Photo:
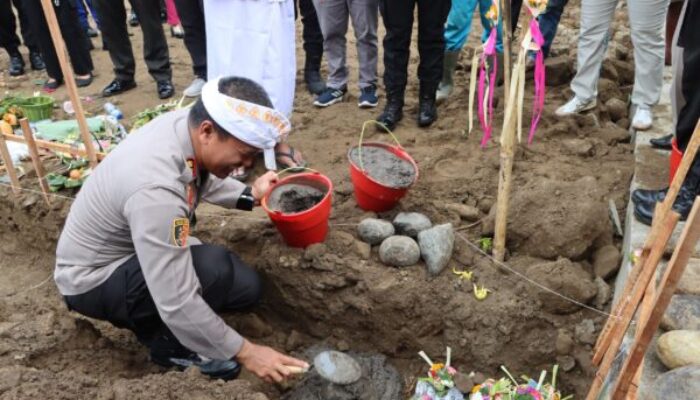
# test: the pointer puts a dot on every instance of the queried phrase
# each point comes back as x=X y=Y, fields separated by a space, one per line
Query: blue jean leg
x=549 y=21
x=459 y=23
x=93 y=12
x=484 y=6
x=82 y=14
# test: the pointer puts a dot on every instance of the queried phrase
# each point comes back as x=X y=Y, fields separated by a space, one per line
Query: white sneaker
x=195 y=88
x=643 y=118
x=575 y=106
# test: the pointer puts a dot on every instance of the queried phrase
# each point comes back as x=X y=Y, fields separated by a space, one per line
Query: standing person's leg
x=95 y=16
x=37 y=22
x=677 y=99
x=174 y=20
x=74 y=38
x=398 y=21
x=484 y=6
x=82 y=14
x=431 y=47
x=192 y=18
x=116 y=37
x=596 y=16
x=313 y=46
x=9 y=40
x=30 y=39
x=549 y=22
x=459 y=23
x=155 y=46
x=333 y=18
x=365 y=16
x=515 y=6
x=647 y=18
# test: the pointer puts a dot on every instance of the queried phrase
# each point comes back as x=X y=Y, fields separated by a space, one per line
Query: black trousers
x=689 y=39
x=114 y=32
x=313 y=38
x=8 y=27
x=74 y=37
x=191 y=14
x=125 y=301
x=398 y=20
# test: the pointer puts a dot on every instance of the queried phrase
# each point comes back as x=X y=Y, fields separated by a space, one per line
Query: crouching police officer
x=125 y=254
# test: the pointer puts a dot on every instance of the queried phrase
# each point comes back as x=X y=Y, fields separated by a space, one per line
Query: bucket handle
x=292 y=170
x=362 y=136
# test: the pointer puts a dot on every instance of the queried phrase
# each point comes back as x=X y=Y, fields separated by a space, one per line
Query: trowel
x=333 y=366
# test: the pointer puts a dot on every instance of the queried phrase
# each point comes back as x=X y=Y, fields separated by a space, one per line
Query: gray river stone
x=682 y=313
x=374 y=231
x=679 y=348
x=410 y=224
x=679 y=384
x=436 y=246
x=399 y=251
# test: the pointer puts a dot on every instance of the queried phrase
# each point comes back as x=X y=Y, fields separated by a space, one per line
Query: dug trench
x=338 y=294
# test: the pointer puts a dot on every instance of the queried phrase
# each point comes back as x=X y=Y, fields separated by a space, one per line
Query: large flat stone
x=682 y=313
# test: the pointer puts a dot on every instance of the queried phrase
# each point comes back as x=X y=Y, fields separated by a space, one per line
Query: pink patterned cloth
x=173 y=18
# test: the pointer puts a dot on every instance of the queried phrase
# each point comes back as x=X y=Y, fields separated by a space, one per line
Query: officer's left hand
x=262 y=185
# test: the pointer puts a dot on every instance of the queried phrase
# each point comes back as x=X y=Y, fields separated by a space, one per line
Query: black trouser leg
x=73 y=36
x=8 y=28
x=28 y=35
x=313 y=38
x=114 y=34
x=432 y=15
x=690 y=113
x=515 y=6
x=125 y=301
x=191 y=14
x=155 y=46
x=398 y=21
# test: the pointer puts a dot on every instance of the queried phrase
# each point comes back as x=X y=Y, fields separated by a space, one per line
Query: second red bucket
x=299 y=206
x=381 y=174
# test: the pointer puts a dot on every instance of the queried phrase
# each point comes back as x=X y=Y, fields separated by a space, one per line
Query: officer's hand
x=262 y=184
x=266 y=363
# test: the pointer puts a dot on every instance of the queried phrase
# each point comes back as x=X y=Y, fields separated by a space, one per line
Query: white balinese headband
x=256 y=125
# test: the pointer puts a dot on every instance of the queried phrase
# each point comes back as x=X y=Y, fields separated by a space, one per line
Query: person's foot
x=52 y=84
x=167 y=352
x=314 y=82
x=368 y=97
x=330 y=96
x=83 y=80
x=104 y=44
x=91 y=32
x=195 y=88
x=289 y=158
x=648 y=195
x=16 y=64
x=133 y=18
x=644 y=211
x=393 y=112
x=165 y=89
x=177 y=31
x=448 y=69
x=662 y=143
x=643 y=118
x=576 y=106
x=36 y=61
x=427 y=110
x=118 y=86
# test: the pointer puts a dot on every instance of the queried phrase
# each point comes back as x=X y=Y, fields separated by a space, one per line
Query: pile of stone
x=408 y=238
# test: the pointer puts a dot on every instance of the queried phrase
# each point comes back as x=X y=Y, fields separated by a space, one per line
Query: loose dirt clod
x=294 y=198
x=385 y=166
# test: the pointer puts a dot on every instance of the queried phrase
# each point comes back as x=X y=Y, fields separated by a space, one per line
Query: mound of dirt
x=564 y=277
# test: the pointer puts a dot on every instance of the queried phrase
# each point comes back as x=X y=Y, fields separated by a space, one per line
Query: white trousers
x=647 y=21
x=254 y=39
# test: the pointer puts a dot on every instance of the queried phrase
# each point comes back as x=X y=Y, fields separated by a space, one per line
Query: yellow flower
x=437 y=367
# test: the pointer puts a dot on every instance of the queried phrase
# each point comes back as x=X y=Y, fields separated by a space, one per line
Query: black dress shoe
x=82 y=82
x=166 y=351
x=36 y=61
x=16 y=65
x=118 y=86
x=427 y=110
x=393 y=111
x=644 y=211
x=648 y=195
x=91 y=32
x=51 y=86
x=663 y=143
x=165 y=89
x=133 y=18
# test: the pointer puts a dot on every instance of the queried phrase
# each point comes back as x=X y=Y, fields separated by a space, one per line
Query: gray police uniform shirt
x=132 y=203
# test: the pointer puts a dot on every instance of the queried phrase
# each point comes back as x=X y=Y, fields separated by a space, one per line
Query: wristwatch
x=246 y=201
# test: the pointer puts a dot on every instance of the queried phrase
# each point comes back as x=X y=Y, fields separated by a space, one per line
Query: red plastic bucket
x=370 y=194
x=674 y=160
x=309 y=226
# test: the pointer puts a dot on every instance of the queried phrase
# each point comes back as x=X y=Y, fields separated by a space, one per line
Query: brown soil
x=294 y=198
x=334 y=294
x=384 y=166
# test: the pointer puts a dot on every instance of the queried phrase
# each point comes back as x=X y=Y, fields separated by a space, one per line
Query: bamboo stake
x=688 y=157
x=59 y=147
x=673 y=273
x=9 y=165
x=621 y=324
x=505 y=176
x=69 y=79
x=34 y=153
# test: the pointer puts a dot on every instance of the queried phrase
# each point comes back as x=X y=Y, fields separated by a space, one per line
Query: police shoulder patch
x=180 y=231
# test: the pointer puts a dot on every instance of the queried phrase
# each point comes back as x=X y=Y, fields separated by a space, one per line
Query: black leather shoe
x=167 y=352
x=648 y=195
x=133 y=19
x=117 y=86
x=663 y=143
x=36 y=61
x=393 y=111
x=165 y=89
x=16 y=65
x=644 y=211
x=427 y=110
x=84 y=81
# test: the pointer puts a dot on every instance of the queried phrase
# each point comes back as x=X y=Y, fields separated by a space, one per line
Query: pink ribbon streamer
x=538 y=101
x=489 y=51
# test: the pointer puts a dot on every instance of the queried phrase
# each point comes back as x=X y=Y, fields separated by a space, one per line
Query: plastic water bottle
x=113 y=111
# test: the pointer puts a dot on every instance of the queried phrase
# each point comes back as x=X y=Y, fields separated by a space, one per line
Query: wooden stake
x=34 y=153
x=644 y=313
x=59 y=147
x=9 y=165
x=673 y=273
x=661 y=210
x=69 y=79
x=621 y=323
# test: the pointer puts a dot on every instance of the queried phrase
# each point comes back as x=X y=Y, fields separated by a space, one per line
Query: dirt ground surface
x=338 y=294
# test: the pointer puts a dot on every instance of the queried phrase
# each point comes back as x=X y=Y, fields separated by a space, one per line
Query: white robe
x=254 y=39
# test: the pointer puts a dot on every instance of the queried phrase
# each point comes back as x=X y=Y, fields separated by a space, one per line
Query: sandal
x=300 y=165
x=82 y=82
x=51 y=86
x=240 y=174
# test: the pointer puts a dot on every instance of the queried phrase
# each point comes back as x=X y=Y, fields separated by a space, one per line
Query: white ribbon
x=253 y=124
